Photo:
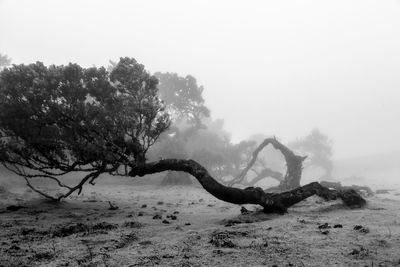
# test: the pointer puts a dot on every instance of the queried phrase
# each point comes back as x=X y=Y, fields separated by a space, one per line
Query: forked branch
x=293 y=162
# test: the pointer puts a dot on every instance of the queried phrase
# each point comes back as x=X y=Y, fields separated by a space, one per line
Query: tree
x=61 y=119
x=183 y=97
x=318 y=147
x=5 y=61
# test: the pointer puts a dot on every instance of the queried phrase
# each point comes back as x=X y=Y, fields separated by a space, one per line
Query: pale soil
x=38 y=235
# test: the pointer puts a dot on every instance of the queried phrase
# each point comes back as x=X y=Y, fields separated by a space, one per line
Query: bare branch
x=270 y=201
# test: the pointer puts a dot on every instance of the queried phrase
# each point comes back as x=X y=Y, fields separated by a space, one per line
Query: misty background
x=277 y=68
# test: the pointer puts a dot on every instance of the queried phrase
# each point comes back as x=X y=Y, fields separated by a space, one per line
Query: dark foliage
x=60 y=119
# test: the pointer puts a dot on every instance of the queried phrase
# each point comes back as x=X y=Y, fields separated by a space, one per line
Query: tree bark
x=358 y=188
x=271 y=202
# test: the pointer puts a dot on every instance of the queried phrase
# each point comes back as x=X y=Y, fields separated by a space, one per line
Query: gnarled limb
x=293 y=162
x=271 y=202
x=358 y=188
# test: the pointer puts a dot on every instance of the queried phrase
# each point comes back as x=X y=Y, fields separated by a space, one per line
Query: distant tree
x=183 y=97
x=318 y=147
x=61 y=119
x=5 y=61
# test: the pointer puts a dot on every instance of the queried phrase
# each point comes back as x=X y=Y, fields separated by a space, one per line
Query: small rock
x=160 y=203
x=361 y=229
x=165 y=222
x=176 y=212
x=157 y=217
x=145 y=243
x=338 y=226
x=324 y=226
x=354 y=252
x=173 y=217
x=112 y=207
x=243 y=210
x=144 y=206
x=188 y=223
x=140 y=213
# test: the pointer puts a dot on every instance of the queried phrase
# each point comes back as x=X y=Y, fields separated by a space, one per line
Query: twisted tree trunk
x=294 y=165
x=271 y=202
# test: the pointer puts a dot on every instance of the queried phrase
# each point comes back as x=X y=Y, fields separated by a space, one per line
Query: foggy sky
x=273 y=67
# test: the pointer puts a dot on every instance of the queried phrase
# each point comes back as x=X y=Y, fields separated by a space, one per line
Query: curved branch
x=38 y=191
x=89 y=177
x=270 y=201
x=293 y=161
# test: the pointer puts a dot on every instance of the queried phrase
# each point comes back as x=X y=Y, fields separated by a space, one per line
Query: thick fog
x=268 y=67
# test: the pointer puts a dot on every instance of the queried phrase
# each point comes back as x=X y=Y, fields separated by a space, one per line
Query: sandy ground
x=185 y=226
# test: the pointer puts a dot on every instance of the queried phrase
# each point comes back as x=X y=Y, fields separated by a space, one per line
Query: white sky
x=274 y=67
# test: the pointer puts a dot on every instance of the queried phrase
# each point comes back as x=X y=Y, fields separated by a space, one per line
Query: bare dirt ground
x=185 y=226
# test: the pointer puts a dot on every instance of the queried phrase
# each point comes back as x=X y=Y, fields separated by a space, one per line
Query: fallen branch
x=362 y=190
x=271 y=202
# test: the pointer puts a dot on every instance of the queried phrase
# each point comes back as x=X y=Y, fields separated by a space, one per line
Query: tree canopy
x=183 y=97
x=58 y=119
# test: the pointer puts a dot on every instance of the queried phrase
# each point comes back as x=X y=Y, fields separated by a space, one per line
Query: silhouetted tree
x=60 y=119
